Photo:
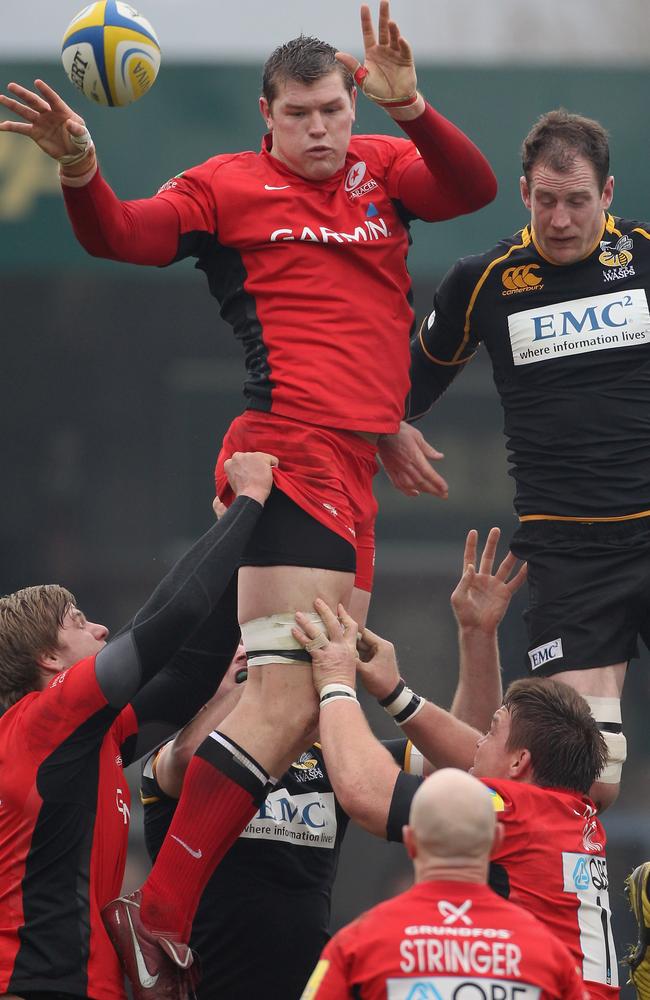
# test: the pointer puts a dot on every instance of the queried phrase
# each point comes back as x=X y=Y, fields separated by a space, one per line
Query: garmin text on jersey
x=370 y=229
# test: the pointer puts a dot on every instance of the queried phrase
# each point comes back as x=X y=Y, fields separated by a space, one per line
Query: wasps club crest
x=305 y=762
x=619 y=255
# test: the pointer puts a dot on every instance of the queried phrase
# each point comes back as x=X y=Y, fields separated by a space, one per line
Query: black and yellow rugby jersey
x=264 y=916
x=570 y=351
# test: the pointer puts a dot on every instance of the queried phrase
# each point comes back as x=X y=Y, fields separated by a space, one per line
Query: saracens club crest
x=356 y=181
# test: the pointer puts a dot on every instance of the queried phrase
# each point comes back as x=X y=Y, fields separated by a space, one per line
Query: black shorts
x=286 y=535
x=589 y=592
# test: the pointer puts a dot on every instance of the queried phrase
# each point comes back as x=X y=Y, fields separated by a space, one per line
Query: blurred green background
x=118 y=383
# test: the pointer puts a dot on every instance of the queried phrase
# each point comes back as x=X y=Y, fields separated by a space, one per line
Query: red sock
x=222 y=790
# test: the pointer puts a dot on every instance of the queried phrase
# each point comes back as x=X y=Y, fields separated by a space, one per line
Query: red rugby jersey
x=444 y=940
x=64 y=820
x=566 y=887
x=311 y=275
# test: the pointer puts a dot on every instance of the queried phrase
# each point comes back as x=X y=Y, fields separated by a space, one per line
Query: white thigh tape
x=616 y=757
x=607 y=712
x=604 y=709
x=269 y=640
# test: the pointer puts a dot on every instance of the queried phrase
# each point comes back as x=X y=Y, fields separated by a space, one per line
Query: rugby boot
x=158 y=967
x=638 y=959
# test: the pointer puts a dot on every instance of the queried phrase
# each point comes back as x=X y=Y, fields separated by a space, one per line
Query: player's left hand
x=406 y=457
x=388 y=71
x=334 y=660
x=481 y=597
x=377 y=664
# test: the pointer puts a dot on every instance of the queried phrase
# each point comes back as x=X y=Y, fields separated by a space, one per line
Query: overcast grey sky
x=484 y=31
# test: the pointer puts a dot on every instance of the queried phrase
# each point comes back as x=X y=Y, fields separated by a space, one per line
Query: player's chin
x=321 y=169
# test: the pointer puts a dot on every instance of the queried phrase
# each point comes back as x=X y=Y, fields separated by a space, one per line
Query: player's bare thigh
x=276 y=715
x=269 y=590
x=602 y=682
x=598 y=682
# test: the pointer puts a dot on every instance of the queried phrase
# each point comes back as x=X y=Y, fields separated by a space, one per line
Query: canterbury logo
x=520 y=279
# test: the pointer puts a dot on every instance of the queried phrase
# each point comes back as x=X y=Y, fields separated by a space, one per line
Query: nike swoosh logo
x=195 y=854
x=271 y=187
x=147 y=981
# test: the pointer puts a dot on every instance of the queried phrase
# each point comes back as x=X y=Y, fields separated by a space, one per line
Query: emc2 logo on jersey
x=580 y=326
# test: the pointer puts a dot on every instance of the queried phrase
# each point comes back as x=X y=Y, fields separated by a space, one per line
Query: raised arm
x=479 y=603
x=445 y=341
x=192 y=589
x=363 y=773
x=453 y=176
x=444 y=740
x=140 y=232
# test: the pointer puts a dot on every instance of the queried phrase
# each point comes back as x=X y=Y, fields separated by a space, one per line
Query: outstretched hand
x=388 y=71
x=481 y=597
x=48 y=120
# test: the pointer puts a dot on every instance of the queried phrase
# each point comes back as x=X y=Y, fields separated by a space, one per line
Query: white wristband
x=402 y=704
x=334 y=692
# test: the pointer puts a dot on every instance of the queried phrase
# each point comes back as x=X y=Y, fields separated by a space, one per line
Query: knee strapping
x=269 y=640
x=607 y=713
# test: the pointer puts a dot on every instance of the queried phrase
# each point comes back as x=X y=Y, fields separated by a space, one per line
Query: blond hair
x=29 y=624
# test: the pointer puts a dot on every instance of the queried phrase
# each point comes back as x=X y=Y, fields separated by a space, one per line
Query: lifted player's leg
x=602 y=688
x=232 y=771
x=316 y=547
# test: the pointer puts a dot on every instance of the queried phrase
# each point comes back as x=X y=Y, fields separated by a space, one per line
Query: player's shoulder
x=43 y=718
x=616 y=225
x=380 y=148
x=12 y=719
x=509 y=797
x=530 y=800
x=469 y=275
x=510 y=248
x=206 y=171
x=380 y=916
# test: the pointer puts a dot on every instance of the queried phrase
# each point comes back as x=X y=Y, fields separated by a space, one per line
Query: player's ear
x=409 y=842
x=49 y=664
x=608 y=193
x=521 y=766
x=265 y=112
x=524 y=191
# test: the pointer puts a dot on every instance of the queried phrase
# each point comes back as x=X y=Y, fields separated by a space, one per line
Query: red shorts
x=326 y=472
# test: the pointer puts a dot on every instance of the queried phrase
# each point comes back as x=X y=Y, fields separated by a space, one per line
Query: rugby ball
x=111 y=53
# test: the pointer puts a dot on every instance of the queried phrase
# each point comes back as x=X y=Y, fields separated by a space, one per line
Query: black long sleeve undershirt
x=188 y=595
